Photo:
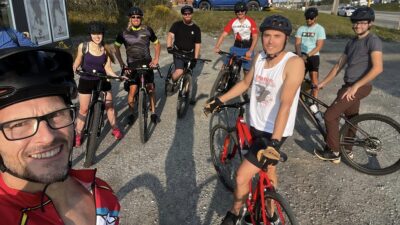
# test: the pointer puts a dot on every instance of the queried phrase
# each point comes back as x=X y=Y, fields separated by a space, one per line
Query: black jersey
x=186 y=36
x=137 y=43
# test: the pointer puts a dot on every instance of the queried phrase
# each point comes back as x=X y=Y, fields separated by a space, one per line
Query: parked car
x=229 y=4
x=346 y=10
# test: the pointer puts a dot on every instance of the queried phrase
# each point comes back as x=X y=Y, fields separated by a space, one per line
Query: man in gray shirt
x=363 y=56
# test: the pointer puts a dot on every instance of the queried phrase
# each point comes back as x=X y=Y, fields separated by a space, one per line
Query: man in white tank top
x=275 y=76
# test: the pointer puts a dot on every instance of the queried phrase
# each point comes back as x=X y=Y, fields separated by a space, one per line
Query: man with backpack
x=12 y=38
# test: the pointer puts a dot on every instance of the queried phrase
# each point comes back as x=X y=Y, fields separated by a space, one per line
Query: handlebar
x=184 y=56
x=142 y=69
x=94 y=73
x=235 y=105
x=243 y=58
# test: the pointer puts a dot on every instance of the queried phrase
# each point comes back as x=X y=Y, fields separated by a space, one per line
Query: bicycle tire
x=377 y=154
x=220 y=81
x=226 y=169
x=94 y=130
x=184 y=96
x=282 y=207
x=143 y=115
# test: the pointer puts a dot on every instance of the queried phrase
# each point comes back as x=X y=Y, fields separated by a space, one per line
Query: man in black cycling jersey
x=275 y=78
x=136 y=38
x=37 y=184
x=363 y=56
x=185 y=37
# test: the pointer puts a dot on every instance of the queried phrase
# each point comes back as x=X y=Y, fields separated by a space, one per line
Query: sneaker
x=327 y=155
x=349 y=153
x=116 y=132
x=230 y=219
x=78 y=140
x=154 y=118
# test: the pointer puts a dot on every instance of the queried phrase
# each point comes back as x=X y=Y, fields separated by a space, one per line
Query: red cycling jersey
x=23 y=208
x=242 y=31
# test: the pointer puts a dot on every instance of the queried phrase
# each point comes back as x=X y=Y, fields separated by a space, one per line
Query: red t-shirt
x=23 y=208
x=242 y=31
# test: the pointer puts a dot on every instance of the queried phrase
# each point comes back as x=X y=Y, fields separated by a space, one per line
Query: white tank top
x=265 y=96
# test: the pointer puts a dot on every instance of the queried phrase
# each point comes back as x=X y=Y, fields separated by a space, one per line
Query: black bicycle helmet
x=96 y=28
x=240 y=6
x=363 y=13
x=311 y=12
x=27 y=73
x=276 y=22
x=135 y=11
x=186 y=9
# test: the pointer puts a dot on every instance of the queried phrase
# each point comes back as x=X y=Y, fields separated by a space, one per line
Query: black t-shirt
x=137 y=43
x=186 y=36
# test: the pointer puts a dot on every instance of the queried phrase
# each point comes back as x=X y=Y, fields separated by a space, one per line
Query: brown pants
x=339 y=106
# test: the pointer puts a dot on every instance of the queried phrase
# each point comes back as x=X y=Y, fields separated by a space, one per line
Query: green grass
x=393 y=7
x=161 y=17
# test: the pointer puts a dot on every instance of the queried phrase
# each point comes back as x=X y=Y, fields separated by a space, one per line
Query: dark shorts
x=148 y=77
x=312 y=64
x=87 y=86
x=180 y=63
x=260 y=141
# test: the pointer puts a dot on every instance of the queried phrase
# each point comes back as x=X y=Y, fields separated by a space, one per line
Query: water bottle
x=318 y=114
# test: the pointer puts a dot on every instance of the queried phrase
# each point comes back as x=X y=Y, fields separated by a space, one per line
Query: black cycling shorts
x=260 y=141
x=312 y=64
x=87 y=86
x=148 y=77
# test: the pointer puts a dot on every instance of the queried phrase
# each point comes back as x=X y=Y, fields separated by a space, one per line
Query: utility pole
x=335 y=6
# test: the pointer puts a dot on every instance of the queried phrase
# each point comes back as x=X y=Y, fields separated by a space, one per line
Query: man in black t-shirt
x=184 y=36
x=137 y=38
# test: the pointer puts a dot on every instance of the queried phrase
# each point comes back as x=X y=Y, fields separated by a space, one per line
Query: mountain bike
x=369 y=143
x=229 y=74
x=228 y=145
x=142 y=97
x=94 y=119
x=184 y=83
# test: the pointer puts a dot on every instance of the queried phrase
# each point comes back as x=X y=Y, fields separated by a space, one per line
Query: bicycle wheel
x=143 y=114
x=225 y=155
x=221 y=83
x=94 y=130
x=277 y=208
x=372 y=145
x=184 y=95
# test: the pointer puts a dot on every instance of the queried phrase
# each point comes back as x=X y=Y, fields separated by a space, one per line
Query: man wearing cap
x=309 y=41
x=245 y=31
x=185 y=37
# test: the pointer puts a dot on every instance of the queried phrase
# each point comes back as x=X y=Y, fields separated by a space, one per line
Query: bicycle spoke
x=374 y=143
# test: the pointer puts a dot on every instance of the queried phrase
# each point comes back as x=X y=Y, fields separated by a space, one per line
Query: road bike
x=94 y=119
x=369 y=142
x=229 y=74
x=184 y=84
x=227 y=146
x=142 y=97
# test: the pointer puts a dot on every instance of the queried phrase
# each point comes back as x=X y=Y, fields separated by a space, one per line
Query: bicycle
x=184 y=83
x=263 y=201
x=94 y=119
x=369 y=142
x=229 y=74
x=142 y=97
